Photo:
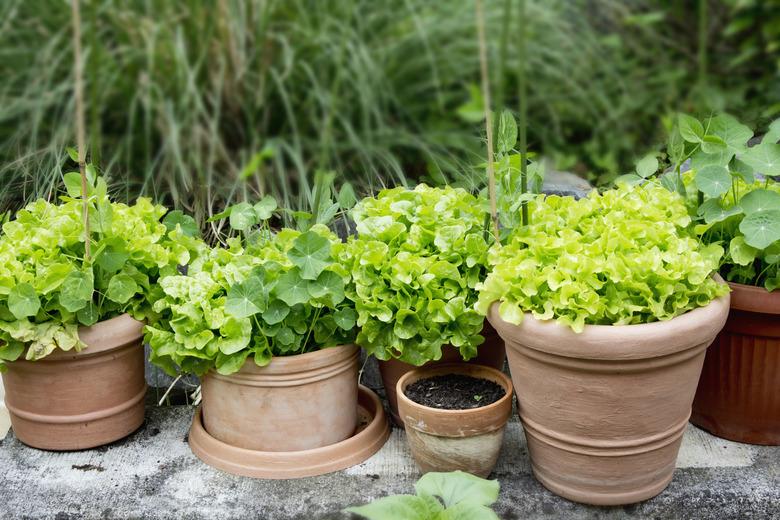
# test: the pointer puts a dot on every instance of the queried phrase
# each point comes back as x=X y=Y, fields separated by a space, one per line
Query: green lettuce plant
x=415 y=263
x=439 y=496
x=264 y=294
x=620 y=257
x=48 y=287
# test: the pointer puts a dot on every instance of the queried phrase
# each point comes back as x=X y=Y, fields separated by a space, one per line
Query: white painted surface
x=5 y=421
x=699 y=450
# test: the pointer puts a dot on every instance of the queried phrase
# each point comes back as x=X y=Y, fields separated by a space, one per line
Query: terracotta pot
x=450 y=440
x=604 y=410
x=491 y=354
x=739 y=392
x=295 y=403
x=79 y=400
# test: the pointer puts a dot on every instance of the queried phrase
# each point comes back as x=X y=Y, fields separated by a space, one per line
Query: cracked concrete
x=153 y=475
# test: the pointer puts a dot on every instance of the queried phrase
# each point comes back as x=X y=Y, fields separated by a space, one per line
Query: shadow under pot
x=738 y=397
x=467 y=437
x=491 y=353
x=604 y=410
x=78 y=400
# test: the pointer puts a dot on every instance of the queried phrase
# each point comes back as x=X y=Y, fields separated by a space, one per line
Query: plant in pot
x=71 y=314
x=607 y=305
x=738 y=207
x=265 y=322
x=415 y=262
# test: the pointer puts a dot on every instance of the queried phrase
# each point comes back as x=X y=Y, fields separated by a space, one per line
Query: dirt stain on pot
x=454 y=392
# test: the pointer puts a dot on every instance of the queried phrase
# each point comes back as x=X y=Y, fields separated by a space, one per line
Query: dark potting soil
x=454 y=392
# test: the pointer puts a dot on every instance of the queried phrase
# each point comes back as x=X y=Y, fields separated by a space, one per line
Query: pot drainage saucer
x=370 y=435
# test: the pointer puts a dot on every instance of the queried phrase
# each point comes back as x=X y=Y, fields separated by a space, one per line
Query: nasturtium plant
x=266 y=294
x=621 y=257
x=732 y=192
x=415 y=263
x=48 y=286
x=439 y=496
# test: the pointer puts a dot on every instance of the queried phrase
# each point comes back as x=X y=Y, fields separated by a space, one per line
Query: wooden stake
x=523 y=92
x=78 y=73
x=483 y=62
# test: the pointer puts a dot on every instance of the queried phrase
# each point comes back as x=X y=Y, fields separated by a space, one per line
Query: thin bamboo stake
x=78 y=73
x=488 y=119
x=523 y=93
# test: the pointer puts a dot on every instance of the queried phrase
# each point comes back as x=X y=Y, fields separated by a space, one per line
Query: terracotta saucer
x=371 y=434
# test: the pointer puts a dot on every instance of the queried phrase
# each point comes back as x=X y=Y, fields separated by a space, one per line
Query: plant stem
x=702 y=45
x=78 y=74
x=521 y=82
x=504 y=39
x=483 y=66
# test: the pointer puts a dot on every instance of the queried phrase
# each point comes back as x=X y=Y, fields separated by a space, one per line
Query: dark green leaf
x=188 y=225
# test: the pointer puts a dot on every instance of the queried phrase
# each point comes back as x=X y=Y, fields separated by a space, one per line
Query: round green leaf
x=88 y=315
x=713 y=180
x=242 y=216
x=187 y=224
x=113 y=255
x=291 y=288
x=690 y=128
x=277 y=311
x=265 y=208
x=121 y=288
x=76 y=290
x=345 y=318
x=23 y=302
x=713 y=212
x=760 y=200
x=761 y=228
x=647 y=166
x=311 y=253
x=246 y=299
x=740 y=252
x=764 y=158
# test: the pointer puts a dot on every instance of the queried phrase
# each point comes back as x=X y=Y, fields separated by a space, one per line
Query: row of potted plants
x=607 y=306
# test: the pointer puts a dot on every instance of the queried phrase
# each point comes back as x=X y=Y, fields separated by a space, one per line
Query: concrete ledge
x=153 y=475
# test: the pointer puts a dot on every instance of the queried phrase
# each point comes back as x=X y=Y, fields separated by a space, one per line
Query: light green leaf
x=121 y=288
x=187 y=224
x=734 y=134
x=466 y=511
x=23 y=301
x=73 y=184
x=458 y=487
x=399 y=507
x=88 y=315
x=265 y=208
x=407 y=324
x=227 y=364
x=760 y=200
x=713 y=212
x=763 y=158
x=347 y=198
x=690 y=128
x=506 y=132
x=292 y=289
x=113 y=255
x=740 y=252
x=76 y=290
x=345 y=318
x=242 y=216
x=647 y=166
x=713 y=144
x=773 y=133
x=761 y=228
x=276 y=312
x=246 y=299
x=311 y=253
x=713 y=180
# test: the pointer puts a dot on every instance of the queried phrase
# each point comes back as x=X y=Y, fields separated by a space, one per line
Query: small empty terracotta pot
x=491 y=354
x=604 y=410
x=294 y=403
x=449 y=440
x=79 y=400
x=739 y=392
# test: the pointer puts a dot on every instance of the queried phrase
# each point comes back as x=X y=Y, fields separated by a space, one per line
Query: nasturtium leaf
x=227 y=364
x=701 y=159
x=647 y=166
x=89 y=315
x=761 y=228
x=242 y=216
x=763 y=158
x=773 y=133
x=673 y=183
x=760 y=200
x=76 y=290
x=741 y=253
x=286 y=336
x=187 y=224
x=277 y=311
x=468 y=511
x=400 y=507
x=690 y=128
x=742 y=171
x=311 y=253
x=346 y=318
x=506 y=132
x=265 y=208
x=713 y=144
x=712 y=211
x=734 y=134
x=113 y=255
x=291 y=288
x=11 y=350
x=328 y=286
x=121 y=288
x=713 y=180
x=23 y=301
x=246 y=298
x=458 y=487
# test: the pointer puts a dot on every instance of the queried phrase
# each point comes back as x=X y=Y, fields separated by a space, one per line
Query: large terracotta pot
x=491 y=354
x=739 y=392
x=451 y=440
x=79 y=400
x=604 y=410
x=295 y=403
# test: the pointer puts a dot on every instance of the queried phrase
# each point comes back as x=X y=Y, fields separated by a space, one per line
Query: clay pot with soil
x=738 y=397
x=78 y=400
x=455 y=416
x=491 y=354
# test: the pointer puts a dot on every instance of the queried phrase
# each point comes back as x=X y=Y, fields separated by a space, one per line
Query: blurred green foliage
x=206 y=103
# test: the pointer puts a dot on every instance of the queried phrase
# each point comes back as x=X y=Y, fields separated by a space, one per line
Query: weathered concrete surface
x=153 y=475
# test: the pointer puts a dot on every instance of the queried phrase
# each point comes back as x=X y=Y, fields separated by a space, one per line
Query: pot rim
x=317 y=359
x=618 y=342
x=102 y=337
x=457 y=368
x=754 y=299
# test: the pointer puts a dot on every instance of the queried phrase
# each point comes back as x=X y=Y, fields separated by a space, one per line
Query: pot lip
x=102 y=337
x=754 y=299
x=457 y=368
x=617 y=342
x=298 y=362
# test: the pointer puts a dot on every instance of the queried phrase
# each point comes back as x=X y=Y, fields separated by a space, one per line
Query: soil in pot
x=491 y=354
x=467 y=439
x=738 y=397
x=454 y=392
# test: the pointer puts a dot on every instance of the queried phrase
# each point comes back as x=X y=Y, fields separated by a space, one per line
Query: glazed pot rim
x=298 y=362
x=102 y=337
x=617 y=342
x=457 y=368
x=754 y=299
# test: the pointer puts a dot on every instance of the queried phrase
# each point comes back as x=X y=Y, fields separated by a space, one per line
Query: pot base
x=371 y=434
